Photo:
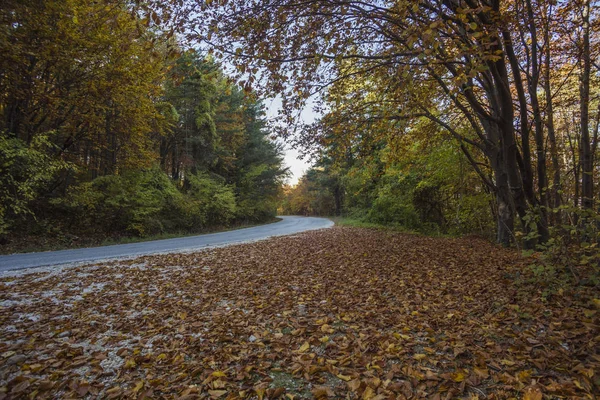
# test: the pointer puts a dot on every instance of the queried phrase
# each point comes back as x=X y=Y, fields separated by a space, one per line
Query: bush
x=392 y=204
x=133 y=203
x=214 y=201
x=573 y=247
x=25 y=171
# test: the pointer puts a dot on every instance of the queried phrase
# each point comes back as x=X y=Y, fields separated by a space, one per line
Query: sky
x=296 y=165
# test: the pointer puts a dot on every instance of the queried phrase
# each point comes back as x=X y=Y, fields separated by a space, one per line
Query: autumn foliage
x=513 y=84
x=110 y=127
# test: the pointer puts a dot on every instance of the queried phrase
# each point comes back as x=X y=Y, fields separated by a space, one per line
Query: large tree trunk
x=175 y=163
x=337 y=196
x=508 y=145
x=505 y=209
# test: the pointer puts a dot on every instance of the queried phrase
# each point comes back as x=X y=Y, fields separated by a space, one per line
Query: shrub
x=214 y=201
x=25 y=171
x=131 y=203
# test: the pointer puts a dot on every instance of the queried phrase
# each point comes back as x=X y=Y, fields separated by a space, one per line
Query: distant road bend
x=287 y=226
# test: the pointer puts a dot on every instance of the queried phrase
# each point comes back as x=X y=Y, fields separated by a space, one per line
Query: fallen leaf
x=304 y=348
x=322 y=391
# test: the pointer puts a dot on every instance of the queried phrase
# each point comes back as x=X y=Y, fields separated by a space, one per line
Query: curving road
x=288 y=225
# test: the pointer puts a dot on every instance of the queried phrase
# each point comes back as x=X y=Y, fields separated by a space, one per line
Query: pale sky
x=297 y=166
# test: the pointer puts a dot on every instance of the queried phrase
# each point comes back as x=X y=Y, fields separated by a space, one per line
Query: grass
x=395 y=227
x=358 y=223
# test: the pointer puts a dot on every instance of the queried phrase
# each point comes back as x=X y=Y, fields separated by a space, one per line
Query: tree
x=260 y=174
x=100 y=108
x=89 y=72
x=481 y=60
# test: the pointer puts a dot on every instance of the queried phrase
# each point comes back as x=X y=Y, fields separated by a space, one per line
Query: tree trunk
x=587 y=183
x=505 y=209
x=533 y=82
x=556 y=184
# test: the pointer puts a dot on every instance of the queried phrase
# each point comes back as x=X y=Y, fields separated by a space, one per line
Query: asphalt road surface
x=289 y=225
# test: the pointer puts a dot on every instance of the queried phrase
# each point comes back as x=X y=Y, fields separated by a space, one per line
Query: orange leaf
x=533 y=394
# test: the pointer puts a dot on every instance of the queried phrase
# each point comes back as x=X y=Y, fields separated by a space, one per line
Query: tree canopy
x=110 y=126
x=502 y=78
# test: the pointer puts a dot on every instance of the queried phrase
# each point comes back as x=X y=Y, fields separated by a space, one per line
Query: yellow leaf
x=419 y=357
x=324 y=339
x=161 y=357
x=354 y=385
x=322 y=391
x=344 y=377
x=260 y=392
x=401 y=336
x=218 y=384
x=113 y=392
x=304 y=348
x=481 y=372
x=138 y=386
x=35 y=367
x=368 y=393
x=589 y=313
x=178 y=359
x=459 y=377
x=508 y=363
x=217 y=393
x=524 y=376
x=130 y=363
x=219 y=374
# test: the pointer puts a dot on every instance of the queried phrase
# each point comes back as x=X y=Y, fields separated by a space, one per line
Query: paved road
x=288 y=225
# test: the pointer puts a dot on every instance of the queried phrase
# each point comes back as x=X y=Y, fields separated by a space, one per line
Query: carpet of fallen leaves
x=343 y=312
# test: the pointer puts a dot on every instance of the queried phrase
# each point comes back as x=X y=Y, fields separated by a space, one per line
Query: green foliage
x=131 y=203
x=147 y=202
x=259 y=169
x=25 y=172
x=572 y=249
x=393 y=203
x=145 y=139
x=213 y=201
x=429 y=188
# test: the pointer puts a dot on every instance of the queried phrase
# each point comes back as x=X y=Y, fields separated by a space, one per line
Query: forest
x=454 y=144
x=444 y=117
x=111 y=128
